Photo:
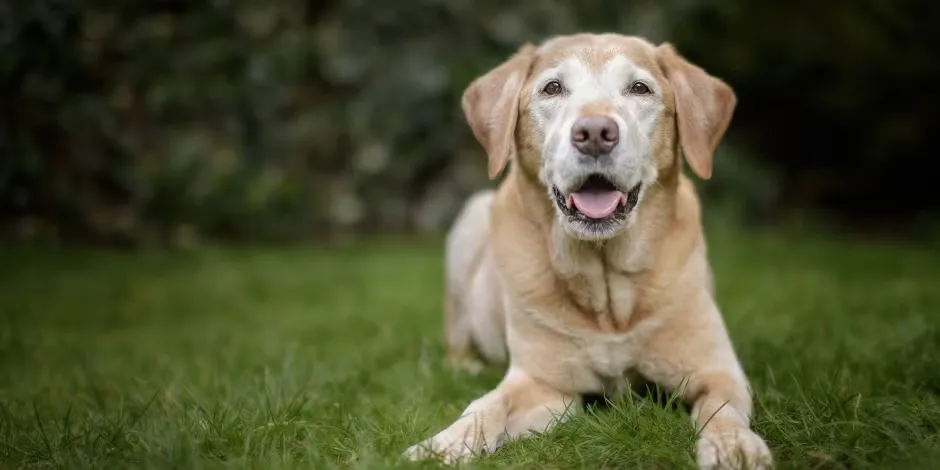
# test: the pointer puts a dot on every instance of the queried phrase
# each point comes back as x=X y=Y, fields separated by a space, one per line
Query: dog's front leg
x=518 y=406
x=721 y=411
x=695 y=356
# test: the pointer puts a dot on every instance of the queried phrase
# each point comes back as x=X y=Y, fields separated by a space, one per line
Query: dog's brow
x=557 y=62
x=636 y=71
x=559 y=67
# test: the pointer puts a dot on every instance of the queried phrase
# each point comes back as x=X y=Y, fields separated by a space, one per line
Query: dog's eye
x=552 y=88
x=640 y=88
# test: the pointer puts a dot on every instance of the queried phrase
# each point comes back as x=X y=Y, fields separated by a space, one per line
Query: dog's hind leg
x=461 y=353
x=465 y=291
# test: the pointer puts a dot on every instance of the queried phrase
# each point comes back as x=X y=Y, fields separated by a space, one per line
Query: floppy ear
x=491 y=105
x=704 y=106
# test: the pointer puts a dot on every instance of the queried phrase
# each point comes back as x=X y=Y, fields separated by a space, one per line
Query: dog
x=586 y=269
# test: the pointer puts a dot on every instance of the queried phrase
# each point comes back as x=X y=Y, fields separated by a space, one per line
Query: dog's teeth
x=623 y=200
x=570 y=202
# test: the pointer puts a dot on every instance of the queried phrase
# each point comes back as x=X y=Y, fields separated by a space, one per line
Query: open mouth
x=597 y=200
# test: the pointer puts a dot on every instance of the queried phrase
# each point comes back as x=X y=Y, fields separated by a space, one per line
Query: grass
x=317 y=358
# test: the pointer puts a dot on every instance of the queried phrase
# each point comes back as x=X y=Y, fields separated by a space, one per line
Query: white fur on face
x=637 y=116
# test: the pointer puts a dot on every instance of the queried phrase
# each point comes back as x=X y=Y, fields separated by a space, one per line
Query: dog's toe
x=449 y=453
x=733 y=450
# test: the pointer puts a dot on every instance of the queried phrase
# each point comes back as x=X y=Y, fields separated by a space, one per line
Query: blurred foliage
x=837 y=98
x=129 y=122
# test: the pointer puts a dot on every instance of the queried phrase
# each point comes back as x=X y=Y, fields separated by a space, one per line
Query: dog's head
x=597 y=119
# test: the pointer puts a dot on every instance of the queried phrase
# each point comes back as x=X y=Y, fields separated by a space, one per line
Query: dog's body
x=588 y=265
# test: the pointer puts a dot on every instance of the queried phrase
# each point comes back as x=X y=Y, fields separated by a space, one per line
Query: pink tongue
x=597 y=204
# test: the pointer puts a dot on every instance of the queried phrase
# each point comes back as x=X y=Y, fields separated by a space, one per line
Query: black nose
x=595 y=135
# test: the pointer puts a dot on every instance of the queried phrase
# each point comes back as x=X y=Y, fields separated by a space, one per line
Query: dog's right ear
x=491 y=105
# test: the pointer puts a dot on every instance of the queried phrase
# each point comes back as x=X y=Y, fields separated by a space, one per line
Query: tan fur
x=491 y=107
x=581 y=316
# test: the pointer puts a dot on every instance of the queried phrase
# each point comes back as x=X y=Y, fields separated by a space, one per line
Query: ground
x=322 y=358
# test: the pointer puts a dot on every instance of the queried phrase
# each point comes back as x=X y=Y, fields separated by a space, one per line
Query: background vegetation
x=151 y=122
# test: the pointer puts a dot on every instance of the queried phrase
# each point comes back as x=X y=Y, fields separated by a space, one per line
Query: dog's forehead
x=596 y=52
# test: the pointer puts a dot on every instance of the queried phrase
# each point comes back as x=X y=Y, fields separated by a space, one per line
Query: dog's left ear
x=704 y=106
x=491 y=105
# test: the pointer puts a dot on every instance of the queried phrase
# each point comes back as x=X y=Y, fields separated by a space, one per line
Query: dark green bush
x=129 y=122
x=838 y=97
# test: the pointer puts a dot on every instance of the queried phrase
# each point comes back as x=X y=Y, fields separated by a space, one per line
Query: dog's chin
x=605 y=210
x=594 y=231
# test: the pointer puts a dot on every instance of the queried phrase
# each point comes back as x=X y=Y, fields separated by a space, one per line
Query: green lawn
x=311 y=358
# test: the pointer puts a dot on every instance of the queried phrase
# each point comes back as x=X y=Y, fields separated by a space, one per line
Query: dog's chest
x=606 y=287
x=602 y=283
x=617 y=313
x=608 y=299
x=611 y=356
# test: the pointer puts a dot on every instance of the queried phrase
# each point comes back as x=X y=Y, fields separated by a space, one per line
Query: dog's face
x=595 y=119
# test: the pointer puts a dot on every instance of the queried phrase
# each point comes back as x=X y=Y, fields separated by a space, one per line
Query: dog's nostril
x=595 y=135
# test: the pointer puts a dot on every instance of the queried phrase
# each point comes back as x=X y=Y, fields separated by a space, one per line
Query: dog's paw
x=447 y=451
x=462 y=440
x=739 y=449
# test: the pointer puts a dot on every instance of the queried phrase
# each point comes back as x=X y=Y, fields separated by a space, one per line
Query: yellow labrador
x=588 y=267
